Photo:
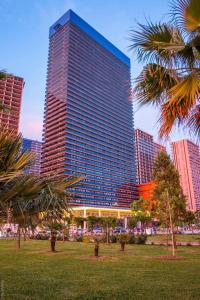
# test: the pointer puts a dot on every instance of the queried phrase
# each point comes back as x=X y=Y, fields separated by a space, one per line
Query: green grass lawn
x=179 y=237
x=141 y=272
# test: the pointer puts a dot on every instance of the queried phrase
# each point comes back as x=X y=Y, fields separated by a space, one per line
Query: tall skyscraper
x=11 y=89
x=88 y=124
x=146 y=151
x=187 y=161
x=36 y=148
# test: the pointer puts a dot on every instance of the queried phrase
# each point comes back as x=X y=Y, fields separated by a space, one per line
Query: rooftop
x=70 y=16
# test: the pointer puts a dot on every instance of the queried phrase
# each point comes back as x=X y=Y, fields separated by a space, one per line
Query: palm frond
x=11 y=158
x=193 y=121
x=24 y=186
x=182 y=98
x=184 y=94
x=153 y=83
x=156 y=42
x=7 y=176
x=185 y=14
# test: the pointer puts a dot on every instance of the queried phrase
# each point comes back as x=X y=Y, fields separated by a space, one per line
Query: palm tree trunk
x=18 y=237
x=63 y=238
x=96 y=249
x=107 y=234
x=122 y=246
x=171 y=226
x=172 y=231
x=24 y=233
x=53 y=242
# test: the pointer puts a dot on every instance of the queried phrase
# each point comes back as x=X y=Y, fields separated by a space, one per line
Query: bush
x=113 y=239
x=141 y=239
x=41 y=236
x=79 y=238
x=98 y=238
x=131 y=239
x=86 y=239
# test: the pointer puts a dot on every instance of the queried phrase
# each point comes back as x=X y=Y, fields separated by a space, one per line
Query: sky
x=24 y=27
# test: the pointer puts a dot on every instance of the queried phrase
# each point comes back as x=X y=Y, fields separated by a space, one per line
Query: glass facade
x=88 y=123
x=36 y=148
x=11 y=89
x=146 y=151
x=187 y=161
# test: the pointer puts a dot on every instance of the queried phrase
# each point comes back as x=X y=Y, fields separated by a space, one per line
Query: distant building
x=145 y=191
x=36 y=148
x=11 y=89
x=88 y=122
x=146 y=151
x=187 y=161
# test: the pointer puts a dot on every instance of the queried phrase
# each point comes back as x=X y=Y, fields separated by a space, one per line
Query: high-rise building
x=36 y=148
x=187 y=161
x=146 y=151
x=11 y=88
x=88 y=124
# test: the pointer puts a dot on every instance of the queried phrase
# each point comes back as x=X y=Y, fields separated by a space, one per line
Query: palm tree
x=108 y=223
x=12 y=159
x=19 y=197
x=54 y=202
x=171 y=77
x=12 y=180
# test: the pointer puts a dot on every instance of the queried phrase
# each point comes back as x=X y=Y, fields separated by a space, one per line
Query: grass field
x=179 y=237
x=141 y=272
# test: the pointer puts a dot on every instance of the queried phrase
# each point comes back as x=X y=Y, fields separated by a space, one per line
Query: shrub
x=131 y=239
x=141 y=239
x=86 y=239
x=79 y=238
x=123 y=239
x=113 y=239
x=41 y=236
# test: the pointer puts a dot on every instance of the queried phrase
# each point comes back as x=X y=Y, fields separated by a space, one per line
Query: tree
x=189 y=219
x=66 y=221
x=80 y=222
x=12 y=159
x=141 y=212
x=54 y=202
x=123 y=239
x=170 y=202
x=170 y=79
x=97 y=240
x=132 y=222
x=18 y=198
x=14 y=185
x=197 y=217
x=93 y=221
x=108 y=223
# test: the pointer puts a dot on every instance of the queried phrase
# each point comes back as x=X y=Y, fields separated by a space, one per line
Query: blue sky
x=24 y=26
